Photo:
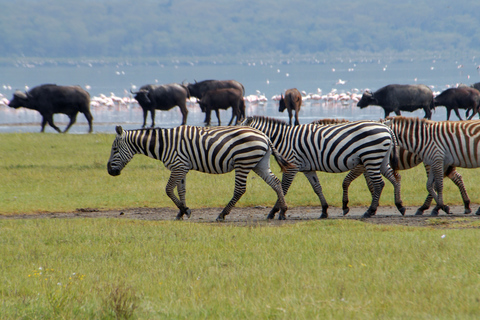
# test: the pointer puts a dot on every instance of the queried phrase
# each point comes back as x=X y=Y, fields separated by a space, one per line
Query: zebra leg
x=313 y=179
x=456 y=177
x=435 y=187
x=352 y=175
x=181 y=194
x=395 y=180
x=266 y=174
x=240 y=188
x=175 y=180
x=287 y=179
x=428 y=200
x=378 y=185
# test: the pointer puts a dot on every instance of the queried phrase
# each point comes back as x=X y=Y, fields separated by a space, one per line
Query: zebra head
x=121 y=153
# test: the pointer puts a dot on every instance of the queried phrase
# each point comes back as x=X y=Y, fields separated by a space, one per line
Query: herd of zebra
x=371 y=148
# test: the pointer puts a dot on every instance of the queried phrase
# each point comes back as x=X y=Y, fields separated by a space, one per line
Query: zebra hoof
x=467 y=211
x=179 y=217
x=367 y=215
x=402 y=210
x=447 y=209
x=434 y=213
x=271 y=216
x=419 y=213
x=188 y=212
x=282 y=217
x=346 y=211
x=478 y=212
x=324 y=215
x=220 y=219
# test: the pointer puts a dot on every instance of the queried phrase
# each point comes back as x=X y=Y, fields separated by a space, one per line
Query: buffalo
x=198 y=89
x=292 y=102
x=223 y=99
x=162 y=97
x=476 y=86
x=49 y=99
x=459 y=98
x=398 y=97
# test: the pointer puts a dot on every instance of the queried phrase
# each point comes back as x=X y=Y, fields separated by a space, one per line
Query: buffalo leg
x=49 y=119
x=89 y=117
x=152 y=114
x=297 y=123
x=184 y=110
x=145 y=113
x=458 y=114
x=217 y=112
x=73 y=118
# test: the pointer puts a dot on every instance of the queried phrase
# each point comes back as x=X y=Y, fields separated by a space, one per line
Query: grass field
x=52 y=172
x=131 y=269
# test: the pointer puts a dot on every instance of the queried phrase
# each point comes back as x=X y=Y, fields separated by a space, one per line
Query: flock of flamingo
x=330 y=99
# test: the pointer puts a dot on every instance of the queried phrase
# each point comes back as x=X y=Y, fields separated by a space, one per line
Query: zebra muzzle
x=112 y=171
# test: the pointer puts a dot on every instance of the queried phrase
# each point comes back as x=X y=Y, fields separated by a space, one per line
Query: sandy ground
x=257 y=215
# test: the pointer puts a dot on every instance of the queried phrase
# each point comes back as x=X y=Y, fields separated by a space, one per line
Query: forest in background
x=191 y=28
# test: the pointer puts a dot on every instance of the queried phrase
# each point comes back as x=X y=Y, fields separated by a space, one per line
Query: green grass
x=55 y=172
x=131 y=269
x=333 y=269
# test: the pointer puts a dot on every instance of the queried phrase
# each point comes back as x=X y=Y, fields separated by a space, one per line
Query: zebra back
x=405 y=159
x=460 y=140
x=325 y=148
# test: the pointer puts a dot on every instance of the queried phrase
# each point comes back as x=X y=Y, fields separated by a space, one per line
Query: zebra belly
x=329 y=166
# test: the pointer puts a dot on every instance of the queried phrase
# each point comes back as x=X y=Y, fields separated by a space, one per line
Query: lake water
x=268 y=79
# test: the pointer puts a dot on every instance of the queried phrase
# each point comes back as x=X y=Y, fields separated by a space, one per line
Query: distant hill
x=121 y=28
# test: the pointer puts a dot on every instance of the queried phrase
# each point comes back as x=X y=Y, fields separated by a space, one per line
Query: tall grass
x=56 y=172
x=121 y=269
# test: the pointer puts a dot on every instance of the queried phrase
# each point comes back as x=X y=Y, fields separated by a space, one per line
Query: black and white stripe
x=442 y=145
x=335 y=148
x=406 y=160
x=210 y=150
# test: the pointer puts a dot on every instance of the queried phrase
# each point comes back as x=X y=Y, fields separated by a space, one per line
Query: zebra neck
x=149 y=142
x=413 y=138
x=277 y=134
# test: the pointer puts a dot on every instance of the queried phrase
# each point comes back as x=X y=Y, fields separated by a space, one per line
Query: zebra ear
x=119 y=130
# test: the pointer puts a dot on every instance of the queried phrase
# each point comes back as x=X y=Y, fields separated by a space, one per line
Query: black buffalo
x=223 y=99
x=198 y=89
x=49 y=99
x=476 y=86
x=399 y=97
x=459 y=98
x=162 y=97
x=292 y=102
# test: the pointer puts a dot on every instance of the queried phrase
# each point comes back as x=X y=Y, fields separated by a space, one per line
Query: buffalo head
x=281 y=105
x=367 y=99
x=20 y=99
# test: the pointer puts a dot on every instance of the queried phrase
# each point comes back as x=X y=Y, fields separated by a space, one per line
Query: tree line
x=121 y=28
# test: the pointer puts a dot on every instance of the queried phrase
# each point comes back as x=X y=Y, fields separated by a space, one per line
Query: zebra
x=441 y=145
x=406 y=160
x=336 y=148
x=210 y=150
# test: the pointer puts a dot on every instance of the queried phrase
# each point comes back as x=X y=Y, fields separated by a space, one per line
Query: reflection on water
x=131 y=116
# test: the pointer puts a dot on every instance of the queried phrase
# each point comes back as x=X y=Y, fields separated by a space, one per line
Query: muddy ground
x=257 y=215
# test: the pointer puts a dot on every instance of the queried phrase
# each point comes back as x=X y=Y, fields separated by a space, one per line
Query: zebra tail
x=282 y=162
x=394 y=161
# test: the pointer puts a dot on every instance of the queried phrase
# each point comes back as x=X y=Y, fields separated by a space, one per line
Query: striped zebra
x=406 y=160
x=335 y=148
x=442 y=145
x=210 y=150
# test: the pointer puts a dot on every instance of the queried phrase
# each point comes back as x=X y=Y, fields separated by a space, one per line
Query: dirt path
x=257 y=215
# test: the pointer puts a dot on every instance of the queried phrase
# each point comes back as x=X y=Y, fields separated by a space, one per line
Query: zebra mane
x=327 y=121
x=401 y=119
x=268 y=120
